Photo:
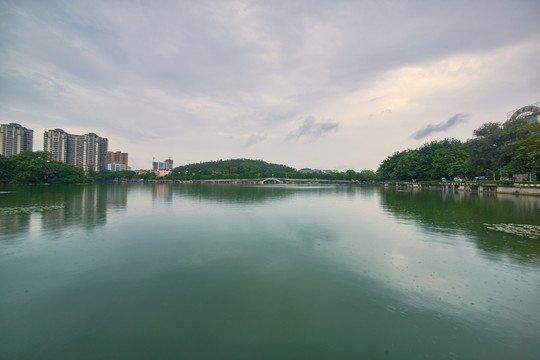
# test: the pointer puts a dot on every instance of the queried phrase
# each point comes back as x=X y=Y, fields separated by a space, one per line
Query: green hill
x=230 y=169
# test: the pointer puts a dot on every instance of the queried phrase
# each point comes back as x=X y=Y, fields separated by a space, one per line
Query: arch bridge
x=270 y=181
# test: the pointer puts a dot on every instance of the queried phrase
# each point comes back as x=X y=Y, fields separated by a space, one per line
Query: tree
x=504 y=149
x=8 y=169
x=450 y=162
x=386 y=168
x=36 y=168
x=366 y=175
x=486 y=151
x=527 y=153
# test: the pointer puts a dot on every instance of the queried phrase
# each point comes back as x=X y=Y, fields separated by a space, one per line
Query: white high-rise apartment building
x=15 y=139
x=84 y=151
x=95 y=152
x=56 y=142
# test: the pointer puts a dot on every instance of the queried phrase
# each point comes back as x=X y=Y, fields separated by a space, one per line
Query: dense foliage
x=253 y=169
x=107 y=175
x=437 y=159
x=495 y=151
x=36 y=168
x=229 y=169
x=504 y=150
x=364 y=175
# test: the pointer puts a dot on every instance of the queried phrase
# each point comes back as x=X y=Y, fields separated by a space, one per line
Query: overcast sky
x=321 y=84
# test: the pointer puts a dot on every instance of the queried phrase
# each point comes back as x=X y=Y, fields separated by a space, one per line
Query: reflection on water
x=468 y=213
x=82 y=205
x=161 y=192
x=265 y=272
x=254 y=194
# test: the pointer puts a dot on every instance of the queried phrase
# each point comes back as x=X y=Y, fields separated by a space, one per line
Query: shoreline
x=516 y=189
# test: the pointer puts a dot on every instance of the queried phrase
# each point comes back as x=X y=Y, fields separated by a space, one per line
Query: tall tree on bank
x=503 y=150
x=445 y=158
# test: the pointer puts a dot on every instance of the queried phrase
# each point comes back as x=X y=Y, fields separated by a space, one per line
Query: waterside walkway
x=515 y=189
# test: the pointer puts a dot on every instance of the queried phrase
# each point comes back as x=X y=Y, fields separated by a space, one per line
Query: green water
x=159 y=271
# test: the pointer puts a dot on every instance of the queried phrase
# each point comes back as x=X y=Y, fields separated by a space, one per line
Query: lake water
x=172 y=271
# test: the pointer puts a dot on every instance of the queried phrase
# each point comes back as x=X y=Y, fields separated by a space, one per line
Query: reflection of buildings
x=84 y=205
x=117 y=196
x=84 y=151
x=75 y=208
x=15 y=139
x=162 y=192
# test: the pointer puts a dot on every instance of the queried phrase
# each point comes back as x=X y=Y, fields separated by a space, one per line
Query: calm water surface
x=160 y=271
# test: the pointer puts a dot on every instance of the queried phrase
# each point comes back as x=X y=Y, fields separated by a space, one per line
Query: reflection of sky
x=432 y=269
x=305 y=242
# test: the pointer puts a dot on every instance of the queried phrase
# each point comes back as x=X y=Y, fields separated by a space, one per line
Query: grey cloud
x=219 y=47
x=431 y=128
x=83 y=62
x=312 y=130
x=255 y=138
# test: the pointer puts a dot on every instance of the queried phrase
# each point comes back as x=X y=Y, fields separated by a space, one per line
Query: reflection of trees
x=468 y=212
x=243 y=194
x=11 y=224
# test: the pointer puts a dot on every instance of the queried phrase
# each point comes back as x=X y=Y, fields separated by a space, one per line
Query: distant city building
x=162 y=172
x=156 y=166
x=15 y=139
x=117 y=157
x=116 y=167
x=166 y=165
x=84 y=151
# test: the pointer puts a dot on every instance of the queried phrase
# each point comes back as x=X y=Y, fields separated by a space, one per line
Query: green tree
x=527 y=152
x=409 y=167
x=386 y=168
x=36 y=167
x=8 y=169
x=451 y=162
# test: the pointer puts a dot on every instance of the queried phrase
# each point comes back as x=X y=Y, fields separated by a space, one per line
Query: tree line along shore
x=496 y=152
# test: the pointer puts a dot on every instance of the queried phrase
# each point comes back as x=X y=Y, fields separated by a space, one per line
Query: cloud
x=312 y=130
x=255 y=138
x=161 y=79
x=431 y=128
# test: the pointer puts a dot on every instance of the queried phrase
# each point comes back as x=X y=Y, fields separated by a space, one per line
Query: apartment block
x=117 y=157
x=75 y=150
x=87 y=151
x=15 y=139
x=95 y=152
x=56 y=142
